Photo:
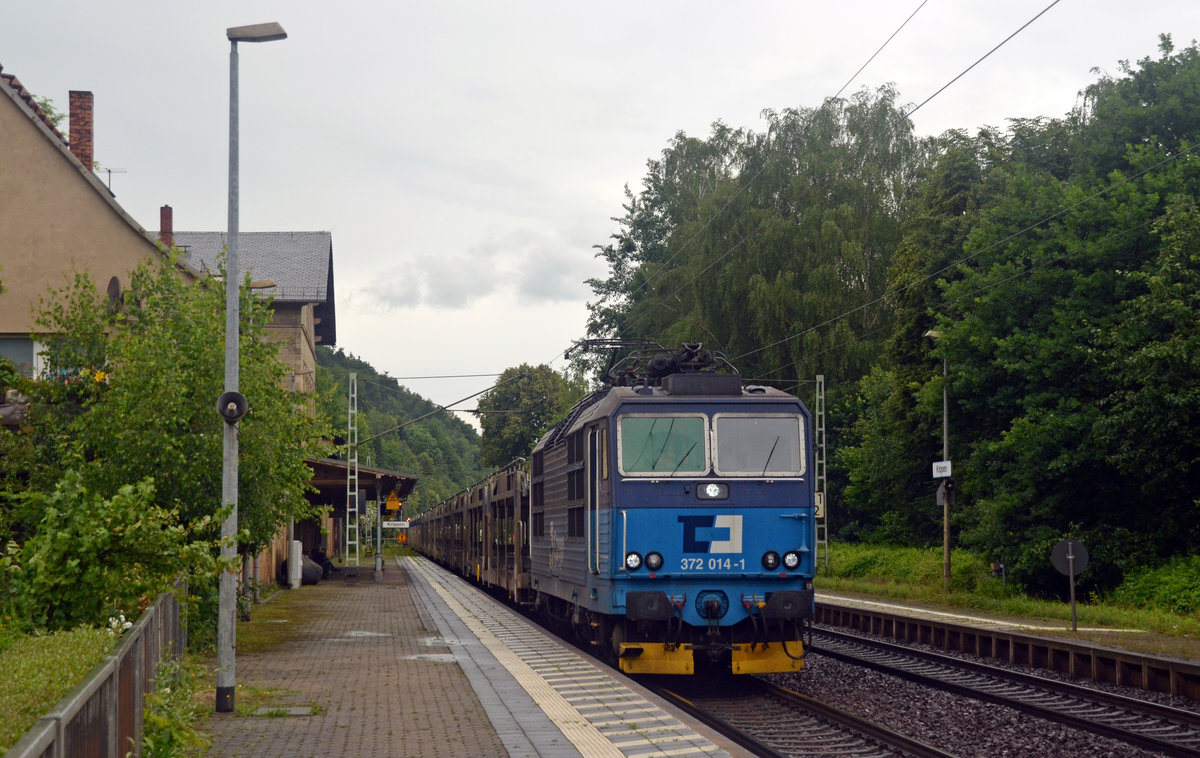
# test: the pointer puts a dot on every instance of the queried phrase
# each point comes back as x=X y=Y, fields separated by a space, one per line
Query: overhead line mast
x=352 y=504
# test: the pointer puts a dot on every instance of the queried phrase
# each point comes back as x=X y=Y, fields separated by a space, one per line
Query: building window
x=25 y=354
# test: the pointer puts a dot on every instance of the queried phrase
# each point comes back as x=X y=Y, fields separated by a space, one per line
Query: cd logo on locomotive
x=712 y=534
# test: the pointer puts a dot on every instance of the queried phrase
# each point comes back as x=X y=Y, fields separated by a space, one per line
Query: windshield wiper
x=684 y=458
x=769 y=455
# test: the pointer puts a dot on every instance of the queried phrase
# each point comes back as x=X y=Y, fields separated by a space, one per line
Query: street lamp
x=945 y=494
x=232 y=405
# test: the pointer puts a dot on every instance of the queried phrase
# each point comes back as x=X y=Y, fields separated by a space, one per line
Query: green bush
x=1174 y=587
x=92 y=558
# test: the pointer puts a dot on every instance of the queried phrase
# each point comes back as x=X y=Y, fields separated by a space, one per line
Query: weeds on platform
x=173 y=712
x=248 y=699
x=276 y=621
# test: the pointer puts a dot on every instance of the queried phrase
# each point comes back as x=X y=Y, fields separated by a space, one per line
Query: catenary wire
x=984 y=57
x=880 y=50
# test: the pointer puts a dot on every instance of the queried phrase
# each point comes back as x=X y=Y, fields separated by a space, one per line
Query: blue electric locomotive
x=671 y=519
x=668 y=521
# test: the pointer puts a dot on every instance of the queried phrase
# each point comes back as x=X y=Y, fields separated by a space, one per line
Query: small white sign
x=941 y=469
x=395 y=524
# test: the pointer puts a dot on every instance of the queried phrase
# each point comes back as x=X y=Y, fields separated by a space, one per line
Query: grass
x=248 y=699
x=36 y=671
x=271 y=622
x=914 y=575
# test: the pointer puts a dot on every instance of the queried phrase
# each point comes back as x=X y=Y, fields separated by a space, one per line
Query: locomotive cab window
x=758 y=445
x=662 y=445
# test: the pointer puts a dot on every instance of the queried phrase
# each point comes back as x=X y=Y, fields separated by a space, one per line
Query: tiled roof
x=300 y=264
x=27 y=97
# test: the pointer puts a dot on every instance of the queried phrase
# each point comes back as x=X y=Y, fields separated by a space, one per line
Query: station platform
x=422 y=664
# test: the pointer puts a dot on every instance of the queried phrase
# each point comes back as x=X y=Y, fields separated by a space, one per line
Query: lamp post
x=232 y=405
x=946 y=489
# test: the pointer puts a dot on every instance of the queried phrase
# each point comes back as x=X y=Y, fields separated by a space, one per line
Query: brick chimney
x=166 y=226
x=81 y=127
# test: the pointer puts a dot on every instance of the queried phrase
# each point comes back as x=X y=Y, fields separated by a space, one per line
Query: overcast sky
x=467 y=156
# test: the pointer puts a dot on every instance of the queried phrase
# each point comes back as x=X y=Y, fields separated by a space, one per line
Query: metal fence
x=102 y=716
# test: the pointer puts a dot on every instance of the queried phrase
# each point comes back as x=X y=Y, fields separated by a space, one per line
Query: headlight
x=713 y=491
x=654 y=561
x=791 y=560
x=770 y=560
x=633 y=561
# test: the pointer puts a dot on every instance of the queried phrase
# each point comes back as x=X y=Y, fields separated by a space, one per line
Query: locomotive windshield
x=762 y=445
x=741 y=444
x=663 y=444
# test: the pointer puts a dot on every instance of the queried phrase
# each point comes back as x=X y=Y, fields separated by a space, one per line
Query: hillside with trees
x=441 y=451
x=1052 y=265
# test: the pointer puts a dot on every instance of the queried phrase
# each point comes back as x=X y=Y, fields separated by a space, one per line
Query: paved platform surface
x=422 y=665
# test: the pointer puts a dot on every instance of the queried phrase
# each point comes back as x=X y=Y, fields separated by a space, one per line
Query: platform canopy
x=329 y=479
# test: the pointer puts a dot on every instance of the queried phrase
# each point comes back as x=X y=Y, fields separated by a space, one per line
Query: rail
x=1150 y=725
x=1076 y=658
x=102 y=716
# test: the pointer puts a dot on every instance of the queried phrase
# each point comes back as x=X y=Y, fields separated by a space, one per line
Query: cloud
x=524 y=265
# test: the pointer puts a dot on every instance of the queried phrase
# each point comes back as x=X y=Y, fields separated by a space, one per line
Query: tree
x=1152 y=424
x=771 y=247
x=526 y=401
x=131 y=397
x=1151 y=101
x=896 y=430
x=775 y=248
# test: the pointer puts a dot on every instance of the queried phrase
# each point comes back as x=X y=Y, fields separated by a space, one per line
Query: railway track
x=776 y=723
x=1168 y=730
